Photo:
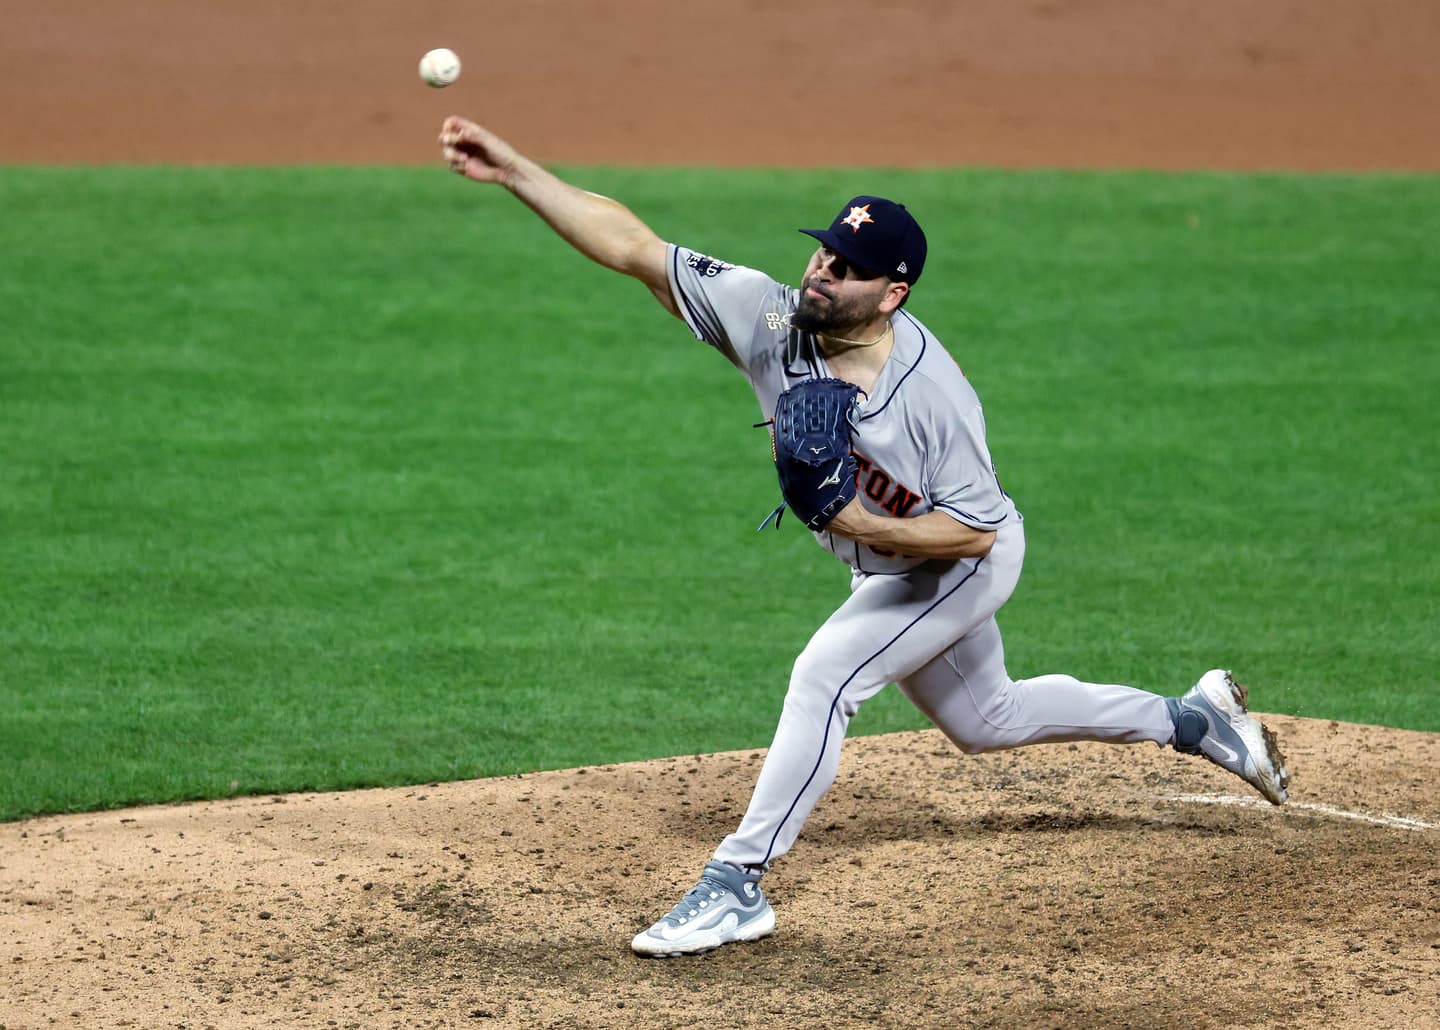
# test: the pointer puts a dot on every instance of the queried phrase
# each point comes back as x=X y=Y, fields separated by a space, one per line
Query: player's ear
x=895 y=294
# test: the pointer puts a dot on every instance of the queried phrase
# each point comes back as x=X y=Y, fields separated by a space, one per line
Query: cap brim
x=841 y=246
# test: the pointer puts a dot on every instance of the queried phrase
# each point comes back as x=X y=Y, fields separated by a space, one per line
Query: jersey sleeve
x=963 y=482
x=720 y=302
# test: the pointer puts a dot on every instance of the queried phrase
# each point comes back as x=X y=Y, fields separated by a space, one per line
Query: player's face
x=836 y=295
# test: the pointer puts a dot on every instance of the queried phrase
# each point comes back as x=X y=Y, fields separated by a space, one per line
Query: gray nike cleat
x=1211 y=720
x=726 y=905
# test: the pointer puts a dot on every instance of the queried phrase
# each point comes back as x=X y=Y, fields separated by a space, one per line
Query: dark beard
x=831 y=317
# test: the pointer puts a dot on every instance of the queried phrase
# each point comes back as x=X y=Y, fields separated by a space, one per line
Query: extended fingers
x=454 y=125
x=454 y=133
x=457 y=130
x=471 y=151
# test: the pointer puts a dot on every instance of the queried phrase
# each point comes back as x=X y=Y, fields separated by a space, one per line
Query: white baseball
x=440 y=67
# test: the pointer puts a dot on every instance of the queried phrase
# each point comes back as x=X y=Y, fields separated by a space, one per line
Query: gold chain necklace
x=862 y=343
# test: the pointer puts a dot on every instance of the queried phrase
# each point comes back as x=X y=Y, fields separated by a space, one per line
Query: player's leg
x=967 y=693
x=888 y=628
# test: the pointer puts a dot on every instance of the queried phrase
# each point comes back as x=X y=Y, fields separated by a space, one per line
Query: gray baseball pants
x=932 y=632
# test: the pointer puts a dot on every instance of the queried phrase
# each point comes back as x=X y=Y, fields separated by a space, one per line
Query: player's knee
x=813 y=683
x=977 y=744
x=989 y=722
x=809 y=671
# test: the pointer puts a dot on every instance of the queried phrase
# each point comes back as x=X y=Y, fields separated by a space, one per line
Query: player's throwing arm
x=881 y=450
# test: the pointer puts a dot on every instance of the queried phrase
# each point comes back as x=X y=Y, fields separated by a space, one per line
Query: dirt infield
x=1085 y=885
x=1055 y=886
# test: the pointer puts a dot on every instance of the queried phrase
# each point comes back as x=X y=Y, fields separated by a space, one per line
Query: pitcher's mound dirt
x=1083 y=885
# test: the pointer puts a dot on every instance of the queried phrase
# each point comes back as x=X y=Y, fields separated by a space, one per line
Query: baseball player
x=934 y=545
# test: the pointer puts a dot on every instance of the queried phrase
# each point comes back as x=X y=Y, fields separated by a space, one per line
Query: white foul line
x=1398 y=822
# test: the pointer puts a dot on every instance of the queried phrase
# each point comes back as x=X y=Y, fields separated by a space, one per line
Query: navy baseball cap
x=877 y=234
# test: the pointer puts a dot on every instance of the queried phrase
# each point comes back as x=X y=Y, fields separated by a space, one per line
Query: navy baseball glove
x=811 y=447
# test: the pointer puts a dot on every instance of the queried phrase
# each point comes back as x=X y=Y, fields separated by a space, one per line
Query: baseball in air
x=440 y=67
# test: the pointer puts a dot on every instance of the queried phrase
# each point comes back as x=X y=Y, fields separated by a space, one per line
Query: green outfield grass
x=321 y=478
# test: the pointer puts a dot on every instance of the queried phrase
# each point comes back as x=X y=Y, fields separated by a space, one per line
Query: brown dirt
x=1303 y=84
x=1054 y=886
x=1084 y=885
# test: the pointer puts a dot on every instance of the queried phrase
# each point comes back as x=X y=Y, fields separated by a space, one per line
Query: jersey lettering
x=876 y=481
x=900 y=502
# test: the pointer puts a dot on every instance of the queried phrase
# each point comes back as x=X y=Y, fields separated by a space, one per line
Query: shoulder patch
x=706 y=266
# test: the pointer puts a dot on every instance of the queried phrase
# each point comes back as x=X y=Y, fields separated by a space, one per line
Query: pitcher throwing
x=933 y=543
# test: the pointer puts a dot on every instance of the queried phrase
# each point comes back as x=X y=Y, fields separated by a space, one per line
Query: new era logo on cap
x=877 y=234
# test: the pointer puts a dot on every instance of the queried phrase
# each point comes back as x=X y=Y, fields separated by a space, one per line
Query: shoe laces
x=699 y=899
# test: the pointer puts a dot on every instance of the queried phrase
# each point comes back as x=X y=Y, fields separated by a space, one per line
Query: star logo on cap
x=857 y=217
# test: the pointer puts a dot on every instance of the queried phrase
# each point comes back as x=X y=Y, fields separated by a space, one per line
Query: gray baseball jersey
x=927 y=626
x=920 y=442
